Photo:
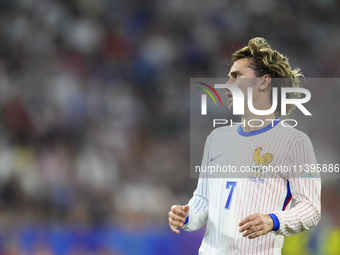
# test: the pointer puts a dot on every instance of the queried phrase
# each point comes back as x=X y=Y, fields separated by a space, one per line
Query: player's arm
x=199 y=205
x=305 y=189
x=194 y=215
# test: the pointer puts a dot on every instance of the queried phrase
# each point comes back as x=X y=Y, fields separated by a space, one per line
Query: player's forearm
x=301 y=217
x=198 y=214
x=195 y=221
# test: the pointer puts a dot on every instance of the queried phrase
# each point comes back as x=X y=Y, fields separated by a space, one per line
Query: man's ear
x=265 y=82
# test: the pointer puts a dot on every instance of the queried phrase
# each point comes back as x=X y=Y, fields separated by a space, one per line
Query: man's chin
x=230 y=106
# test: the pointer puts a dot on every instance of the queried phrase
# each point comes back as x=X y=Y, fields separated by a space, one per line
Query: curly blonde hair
x=264 y=60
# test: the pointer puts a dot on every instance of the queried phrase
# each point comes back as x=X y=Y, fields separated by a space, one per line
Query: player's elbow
x=314 y=220
x=317 y=217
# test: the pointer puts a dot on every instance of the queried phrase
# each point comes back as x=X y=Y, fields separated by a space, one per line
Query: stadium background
x=94 y=122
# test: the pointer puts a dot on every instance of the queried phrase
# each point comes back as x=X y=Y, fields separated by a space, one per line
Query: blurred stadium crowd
x=94 y=123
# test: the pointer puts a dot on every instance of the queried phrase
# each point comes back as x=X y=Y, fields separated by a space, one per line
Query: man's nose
x=230 y=81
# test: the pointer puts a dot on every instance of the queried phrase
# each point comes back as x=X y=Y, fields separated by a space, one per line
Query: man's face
x=242 y=76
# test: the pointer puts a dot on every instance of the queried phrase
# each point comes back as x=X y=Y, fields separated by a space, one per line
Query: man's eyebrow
x=232 y=74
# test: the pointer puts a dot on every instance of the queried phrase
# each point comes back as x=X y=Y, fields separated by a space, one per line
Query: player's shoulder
x=224 y=131
x=294 y=133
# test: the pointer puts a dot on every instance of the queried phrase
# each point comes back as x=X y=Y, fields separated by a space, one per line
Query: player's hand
x=177 y=216
x=256 y=225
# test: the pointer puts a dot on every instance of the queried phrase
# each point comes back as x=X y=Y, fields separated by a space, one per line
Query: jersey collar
x=259 y=131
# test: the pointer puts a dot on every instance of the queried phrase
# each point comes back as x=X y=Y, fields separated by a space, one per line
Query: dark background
x=94 y=123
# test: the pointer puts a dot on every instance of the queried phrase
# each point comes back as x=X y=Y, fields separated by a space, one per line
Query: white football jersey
x=223 y=202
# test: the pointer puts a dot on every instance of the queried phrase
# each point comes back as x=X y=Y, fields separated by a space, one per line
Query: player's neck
x=251 y=122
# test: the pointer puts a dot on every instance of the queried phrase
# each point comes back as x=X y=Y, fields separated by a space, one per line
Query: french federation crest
x=260 y=160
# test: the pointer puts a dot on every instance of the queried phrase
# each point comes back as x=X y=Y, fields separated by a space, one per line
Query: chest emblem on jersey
x=265 y=159
x=260 y=160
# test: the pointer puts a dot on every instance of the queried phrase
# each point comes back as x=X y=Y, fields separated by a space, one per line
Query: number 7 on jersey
x=231 y=186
